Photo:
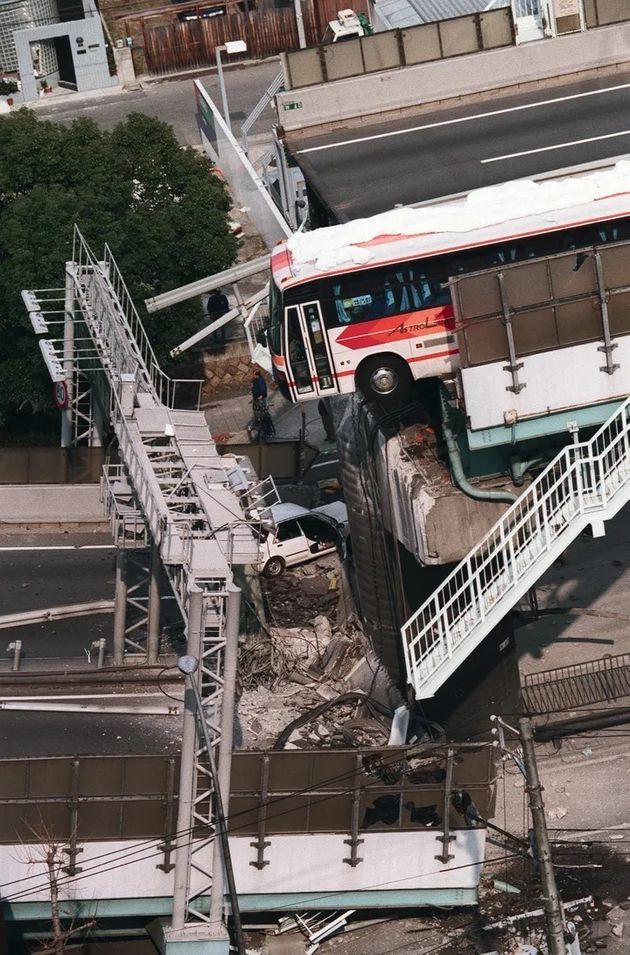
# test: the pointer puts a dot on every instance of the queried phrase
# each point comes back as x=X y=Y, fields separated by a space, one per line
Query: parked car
x=301 y=535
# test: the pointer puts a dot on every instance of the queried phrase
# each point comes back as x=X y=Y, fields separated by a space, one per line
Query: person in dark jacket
x=259 y=386
x=262 y=419
x=325 y=413
x=216 y=307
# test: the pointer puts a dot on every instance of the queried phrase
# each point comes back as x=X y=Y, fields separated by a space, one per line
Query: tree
x=160 y=208
x=49 y=854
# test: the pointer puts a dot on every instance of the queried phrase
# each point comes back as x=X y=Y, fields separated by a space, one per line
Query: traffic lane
x=60 y=639
x=37 y=575
x=38 y=578
x=440 y=160
x=27 y=734
x=433 y=162
x=521 y=103
x=429 y=172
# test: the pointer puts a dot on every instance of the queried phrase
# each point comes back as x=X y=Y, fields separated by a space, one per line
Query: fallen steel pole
x=27 y=617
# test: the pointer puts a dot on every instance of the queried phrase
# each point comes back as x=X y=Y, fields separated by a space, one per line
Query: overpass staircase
x=180 y=482
x=199 y=509
x=586 y=484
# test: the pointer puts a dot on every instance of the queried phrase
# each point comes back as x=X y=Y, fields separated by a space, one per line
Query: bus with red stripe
x=364 y=306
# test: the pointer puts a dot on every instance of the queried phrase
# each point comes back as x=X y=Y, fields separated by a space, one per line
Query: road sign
x=60 y=395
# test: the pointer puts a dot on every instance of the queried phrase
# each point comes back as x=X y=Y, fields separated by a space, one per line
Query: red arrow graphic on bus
x=396 y=328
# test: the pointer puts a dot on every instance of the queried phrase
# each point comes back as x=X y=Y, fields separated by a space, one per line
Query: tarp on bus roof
x=492 y=214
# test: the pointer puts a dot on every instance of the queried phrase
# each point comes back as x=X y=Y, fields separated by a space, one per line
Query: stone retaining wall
x=228 y=371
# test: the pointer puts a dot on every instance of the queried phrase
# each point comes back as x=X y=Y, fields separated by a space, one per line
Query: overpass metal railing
x=129 y=528
x=127 y=339
x=255 y=323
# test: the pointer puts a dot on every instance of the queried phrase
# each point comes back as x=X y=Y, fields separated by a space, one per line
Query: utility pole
x=299 y=22
x=551 y=900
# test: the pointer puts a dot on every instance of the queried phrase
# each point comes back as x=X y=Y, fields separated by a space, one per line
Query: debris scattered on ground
x=303 y=593
x=306 y=658
x=505 y=887
x=263 y=714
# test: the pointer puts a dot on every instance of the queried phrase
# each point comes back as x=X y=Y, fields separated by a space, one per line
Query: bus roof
x=485 y=216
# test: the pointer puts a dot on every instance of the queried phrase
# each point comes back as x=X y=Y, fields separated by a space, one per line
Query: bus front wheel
x=385 y=379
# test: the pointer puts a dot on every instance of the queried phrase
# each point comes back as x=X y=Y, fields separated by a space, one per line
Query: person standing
x=325 y=413
x=262 y=419
x=259 y=387
x=216 y=307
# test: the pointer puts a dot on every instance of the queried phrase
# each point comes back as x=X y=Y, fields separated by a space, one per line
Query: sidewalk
x=232 y=415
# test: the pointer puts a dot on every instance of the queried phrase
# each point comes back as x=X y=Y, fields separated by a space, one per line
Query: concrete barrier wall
x=393 y=49
x=373 y=95
x=51 y=504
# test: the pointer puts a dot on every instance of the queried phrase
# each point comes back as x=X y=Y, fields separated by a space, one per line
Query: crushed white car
x=301 y=535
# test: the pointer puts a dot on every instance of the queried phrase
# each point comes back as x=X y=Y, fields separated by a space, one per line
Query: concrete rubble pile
x=320 y=665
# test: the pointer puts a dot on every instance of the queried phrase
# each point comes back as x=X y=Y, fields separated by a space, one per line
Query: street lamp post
x=230 y=47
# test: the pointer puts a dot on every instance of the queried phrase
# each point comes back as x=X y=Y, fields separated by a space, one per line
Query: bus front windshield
x=275 y=318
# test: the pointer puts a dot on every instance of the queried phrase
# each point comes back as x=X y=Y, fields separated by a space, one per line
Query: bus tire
x=385 y=380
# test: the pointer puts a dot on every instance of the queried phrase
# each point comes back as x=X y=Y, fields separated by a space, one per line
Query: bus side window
x=608 y=233
x=342 y=315
x=410 y=297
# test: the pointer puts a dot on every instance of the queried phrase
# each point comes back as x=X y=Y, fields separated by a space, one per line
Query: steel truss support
x=67 y=421
x=137 y=605
x=213 y=625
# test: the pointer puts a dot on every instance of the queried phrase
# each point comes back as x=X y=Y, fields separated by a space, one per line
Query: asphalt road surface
x=24 y=734
x=366 y=169
x=173 y=101
x=45 y=577
x=35 y=575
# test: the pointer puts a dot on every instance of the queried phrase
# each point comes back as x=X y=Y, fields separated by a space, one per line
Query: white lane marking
x=546 y=149
x=62 y=547
x=464 y=119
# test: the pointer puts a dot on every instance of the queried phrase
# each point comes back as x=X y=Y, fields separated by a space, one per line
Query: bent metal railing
x=584 y=480
x=129 y=350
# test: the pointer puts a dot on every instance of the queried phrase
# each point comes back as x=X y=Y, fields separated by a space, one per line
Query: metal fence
x=605 y=680
x=95 y=798
x=186 y=36
x=393 y=49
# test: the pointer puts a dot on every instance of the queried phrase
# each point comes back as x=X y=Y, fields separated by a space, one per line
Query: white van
x=301 y=535
x=347 y=26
